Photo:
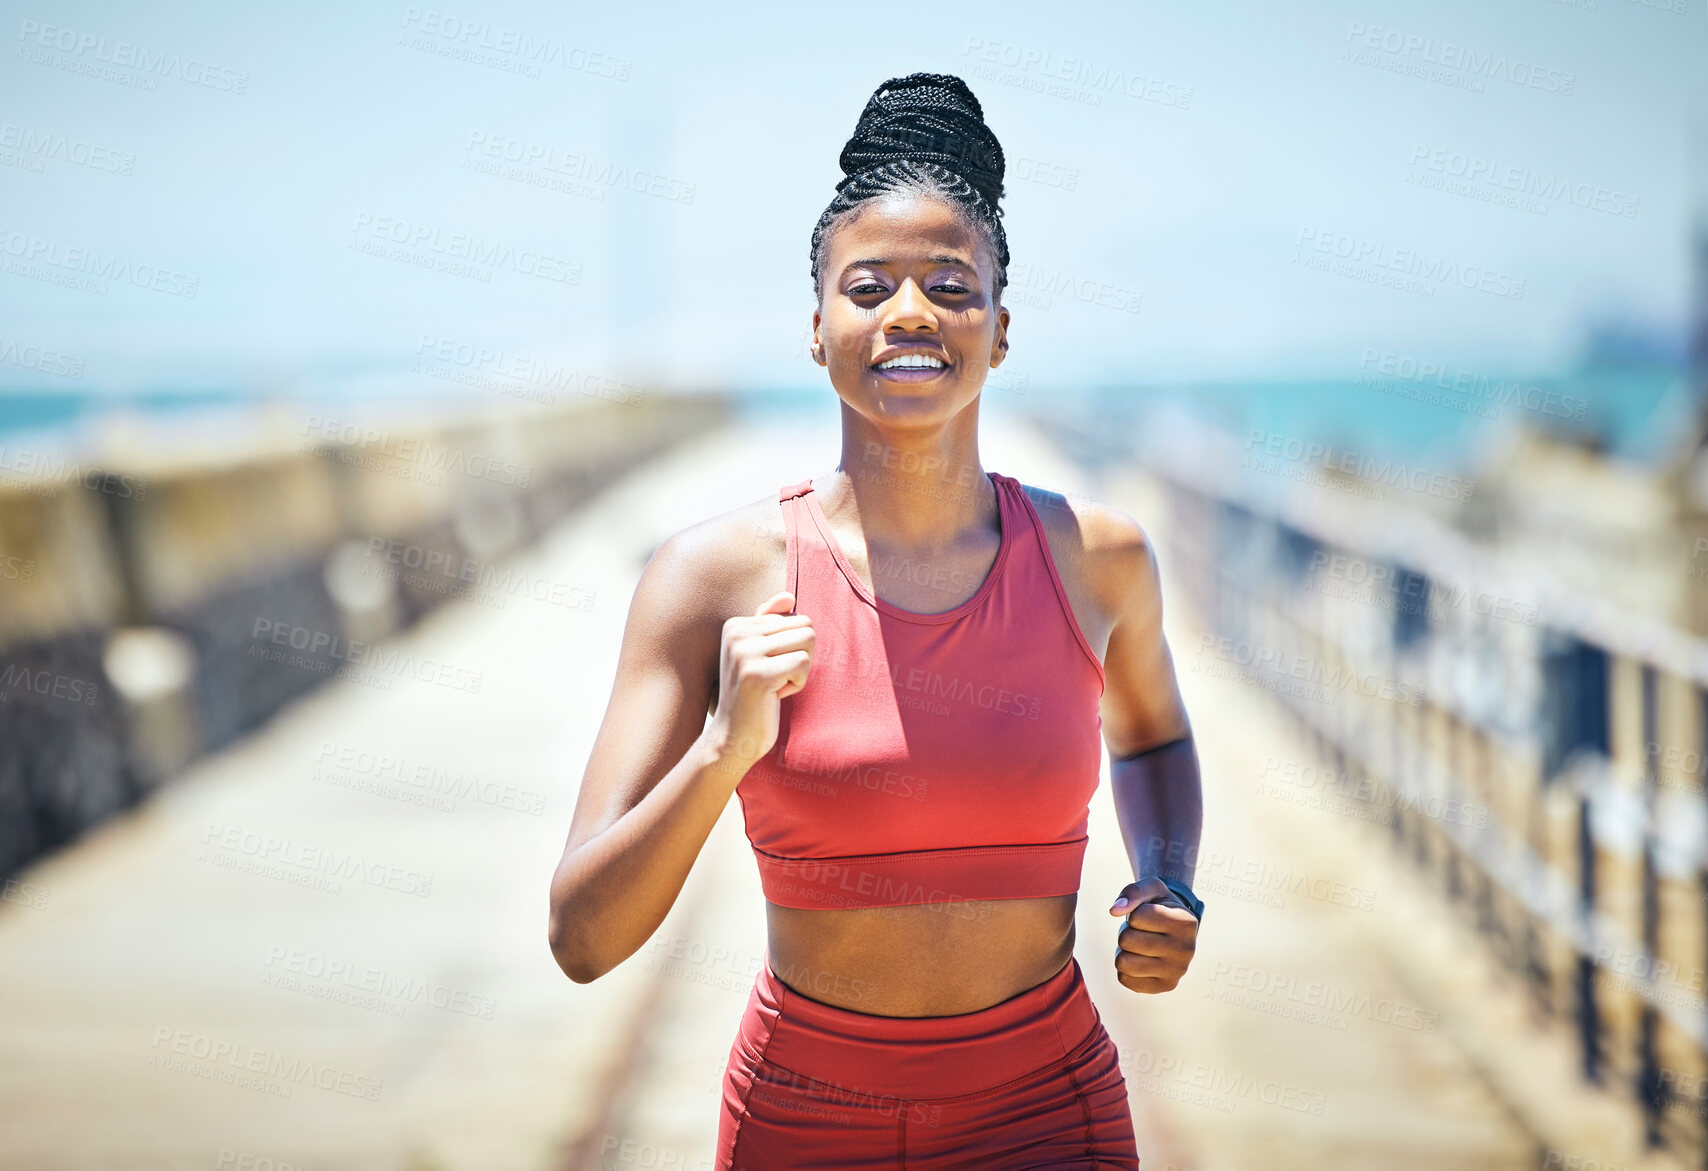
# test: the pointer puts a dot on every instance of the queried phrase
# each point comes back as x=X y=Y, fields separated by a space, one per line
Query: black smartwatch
x=1185 y=895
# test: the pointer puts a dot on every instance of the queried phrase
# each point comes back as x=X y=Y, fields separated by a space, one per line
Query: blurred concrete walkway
x=1214 y=1084
x=325 y=949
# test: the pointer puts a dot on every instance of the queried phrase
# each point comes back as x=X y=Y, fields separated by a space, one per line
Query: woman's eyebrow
x=880 y=262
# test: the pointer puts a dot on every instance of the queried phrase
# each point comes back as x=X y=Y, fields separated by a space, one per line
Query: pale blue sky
x=1194 y=210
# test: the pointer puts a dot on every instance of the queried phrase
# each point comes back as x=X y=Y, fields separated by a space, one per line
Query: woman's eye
x=867 y=288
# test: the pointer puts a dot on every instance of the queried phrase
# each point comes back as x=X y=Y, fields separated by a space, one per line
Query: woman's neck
x=920 y=495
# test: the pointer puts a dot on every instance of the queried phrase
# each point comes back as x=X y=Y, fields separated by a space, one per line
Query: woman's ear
x=999 y=345
x=817 y=349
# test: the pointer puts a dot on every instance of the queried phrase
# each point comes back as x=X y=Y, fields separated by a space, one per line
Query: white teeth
x=912 y=361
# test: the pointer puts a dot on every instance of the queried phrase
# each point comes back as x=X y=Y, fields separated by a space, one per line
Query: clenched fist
x=1157 y=941
x=764 y=659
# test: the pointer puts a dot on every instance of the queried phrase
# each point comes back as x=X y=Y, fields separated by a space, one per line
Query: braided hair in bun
x=924 y=132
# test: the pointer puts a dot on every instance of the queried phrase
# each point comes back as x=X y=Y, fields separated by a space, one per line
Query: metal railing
x=1541 y=751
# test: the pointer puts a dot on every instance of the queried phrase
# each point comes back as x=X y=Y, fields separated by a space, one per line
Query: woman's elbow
x=570 y=950
x=581 y=973
x=576 y=963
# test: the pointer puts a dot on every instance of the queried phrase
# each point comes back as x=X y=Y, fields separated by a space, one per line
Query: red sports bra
x=930 y=757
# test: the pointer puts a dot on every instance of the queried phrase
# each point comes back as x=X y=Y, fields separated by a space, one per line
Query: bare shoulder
x=1103 y=558
x=1106 y=548
x=724 y=565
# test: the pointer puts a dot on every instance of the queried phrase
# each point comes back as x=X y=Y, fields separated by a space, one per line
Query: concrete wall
x=137 y=591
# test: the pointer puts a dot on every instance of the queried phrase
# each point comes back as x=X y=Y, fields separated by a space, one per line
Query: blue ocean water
x=54 y=411
x=1633 y=411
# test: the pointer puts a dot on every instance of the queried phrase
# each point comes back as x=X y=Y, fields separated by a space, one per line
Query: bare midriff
x=940 y=959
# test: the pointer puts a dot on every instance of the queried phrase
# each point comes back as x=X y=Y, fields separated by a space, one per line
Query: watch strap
x=1184 y=893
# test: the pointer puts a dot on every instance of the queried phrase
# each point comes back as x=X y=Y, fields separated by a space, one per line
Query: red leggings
x=1033 y=1082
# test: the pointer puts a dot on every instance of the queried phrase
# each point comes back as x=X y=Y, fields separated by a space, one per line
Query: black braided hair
x=923 y=132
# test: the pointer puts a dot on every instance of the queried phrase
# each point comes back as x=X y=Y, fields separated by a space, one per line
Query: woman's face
x=907 y=278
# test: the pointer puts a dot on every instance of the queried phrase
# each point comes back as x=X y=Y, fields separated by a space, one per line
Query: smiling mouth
x=911 y=367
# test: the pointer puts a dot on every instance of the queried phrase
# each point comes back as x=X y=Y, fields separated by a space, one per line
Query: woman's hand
x=763 y=659
x=1157 y=941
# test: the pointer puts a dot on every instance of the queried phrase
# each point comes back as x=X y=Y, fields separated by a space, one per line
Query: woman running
x=907 y=701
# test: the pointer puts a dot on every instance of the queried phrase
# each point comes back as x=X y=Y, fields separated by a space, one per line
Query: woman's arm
x=1159 y=803
x=1153 y=767
x=659 y=775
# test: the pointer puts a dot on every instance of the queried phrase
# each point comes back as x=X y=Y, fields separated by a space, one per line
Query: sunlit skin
x=710 y=633
x=909 y=273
